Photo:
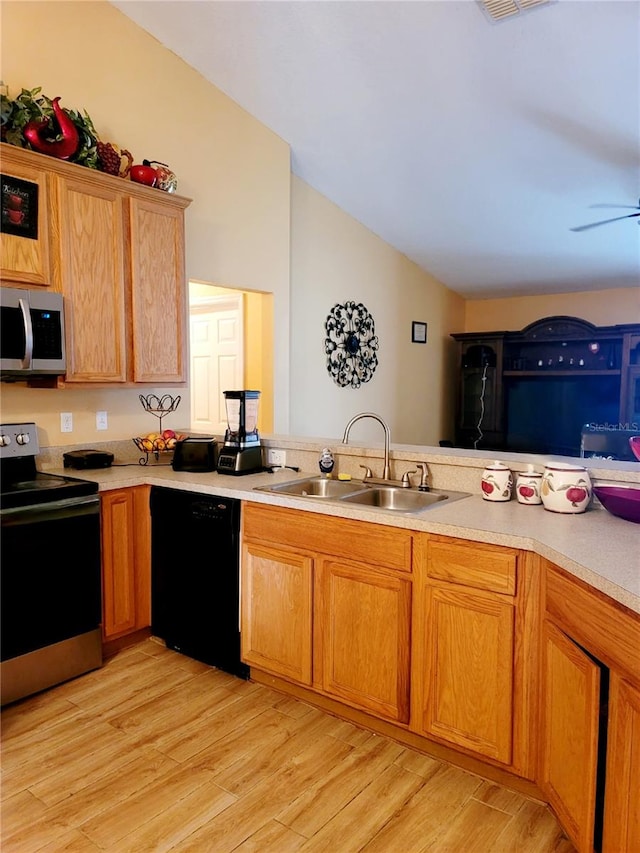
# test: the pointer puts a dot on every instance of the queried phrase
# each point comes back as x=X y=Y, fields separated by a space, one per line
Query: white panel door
x=216 y=360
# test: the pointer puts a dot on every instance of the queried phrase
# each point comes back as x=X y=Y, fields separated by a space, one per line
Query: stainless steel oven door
x=50 y=592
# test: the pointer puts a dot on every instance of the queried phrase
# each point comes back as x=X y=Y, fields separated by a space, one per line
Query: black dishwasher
x=195 y=588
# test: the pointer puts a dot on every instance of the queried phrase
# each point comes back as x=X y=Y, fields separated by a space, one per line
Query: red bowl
x=623 y=501
x=634 y=444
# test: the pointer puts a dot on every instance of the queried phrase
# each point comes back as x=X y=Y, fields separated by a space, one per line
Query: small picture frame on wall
x=418 y=332
x=19 y=206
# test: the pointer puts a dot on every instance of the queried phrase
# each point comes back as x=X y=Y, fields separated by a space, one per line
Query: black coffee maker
x=241 y=452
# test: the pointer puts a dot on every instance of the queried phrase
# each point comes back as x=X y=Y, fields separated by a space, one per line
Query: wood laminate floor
x=157 y=752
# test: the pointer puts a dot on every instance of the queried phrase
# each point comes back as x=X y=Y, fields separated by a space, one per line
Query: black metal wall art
x=351 y=344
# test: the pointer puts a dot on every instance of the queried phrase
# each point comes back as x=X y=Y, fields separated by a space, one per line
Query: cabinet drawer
x=472 y=564
x=369 y=543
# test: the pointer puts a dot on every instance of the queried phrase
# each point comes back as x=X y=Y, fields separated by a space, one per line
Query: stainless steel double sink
x=378 y=496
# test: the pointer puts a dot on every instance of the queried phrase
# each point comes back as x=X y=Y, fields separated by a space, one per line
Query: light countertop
x=598 y=548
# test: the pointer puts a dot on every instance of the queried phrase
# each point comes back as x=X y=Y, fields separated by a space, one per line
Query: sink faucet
x=386 y=474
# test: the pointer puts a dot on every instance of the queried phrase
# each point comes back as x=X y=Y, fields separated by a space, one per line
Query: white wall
x=335 y=259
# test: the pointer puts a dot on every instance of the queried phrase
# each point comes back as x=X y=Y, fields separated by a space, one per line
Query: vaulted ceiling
x=472 y=146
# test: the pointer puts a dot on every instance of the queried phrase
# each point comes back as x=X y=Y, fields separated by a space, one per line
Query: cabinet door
x=118 y=561
x=570 y=715
x=622 y=792
x=25 y=259
x=158 y=291
x=92 y=280
x=364 y=625
x=126 y=561
x=276 y=611
x=467 y=676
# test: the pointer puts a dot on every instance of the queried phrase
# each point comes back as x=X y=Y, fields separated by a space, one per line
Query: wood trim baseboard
x=112 y=647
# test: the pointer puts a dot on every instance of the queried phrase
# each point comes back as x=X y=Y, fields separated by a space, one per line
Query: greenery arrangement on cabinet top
x=17 y=114
x=33 y=120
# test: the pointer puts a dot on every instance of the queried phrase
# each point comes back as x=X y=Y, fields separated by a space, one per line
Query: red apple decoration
x=144 y=174
x=487 y=487
x=526 y=491
x=576 y=494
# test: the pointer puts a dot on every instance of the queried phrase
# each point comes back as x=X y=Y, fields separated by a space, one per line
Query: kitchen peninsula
x=478 y=613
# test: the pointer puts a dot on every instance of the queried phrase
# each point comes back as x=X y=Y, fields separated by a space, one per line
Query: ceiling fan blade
x=603 y=222
x=629 y=206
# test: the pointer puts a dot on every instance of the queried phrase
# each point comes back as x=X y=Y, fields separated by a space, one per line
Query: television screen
x=546 y=414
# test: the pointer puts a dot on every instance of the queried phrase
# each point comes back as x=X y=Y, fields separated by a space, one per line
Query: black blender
x=241 y=453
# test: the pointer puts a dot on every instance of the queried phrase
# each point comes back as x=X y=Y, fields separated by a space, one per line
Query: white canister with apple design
x=497 y=482
x=565 y=488
x=528 y=486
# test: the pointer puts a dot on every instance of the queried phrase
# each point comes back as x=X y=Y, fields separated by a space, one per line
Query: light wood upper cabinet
x=126 y=561
x=116 y=253
x=24 y=260
x=364 y=618
x=277 y=611
x=90 y=224
x=158 y=306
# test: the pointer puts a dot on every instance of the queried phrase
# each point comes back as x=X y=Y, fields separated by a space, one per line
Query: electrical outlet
x=66 y=422
x=101 y=420
x=276 y=457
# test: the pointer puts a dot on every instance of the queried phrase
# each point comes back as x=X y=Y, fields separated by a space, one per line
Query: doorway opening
x=231 y=348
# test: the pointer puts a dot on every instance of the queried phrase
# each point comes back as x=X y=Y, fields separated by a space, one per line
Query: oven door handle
x=28 y=333
x=53 y=511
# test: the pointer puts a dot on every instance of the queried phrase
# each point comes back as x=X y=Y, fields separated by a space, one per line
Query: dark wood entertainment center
x=534 y=390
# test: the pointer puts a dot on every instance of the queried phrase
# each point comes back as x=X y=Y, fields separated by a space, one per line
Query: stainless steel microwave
x=31 y=334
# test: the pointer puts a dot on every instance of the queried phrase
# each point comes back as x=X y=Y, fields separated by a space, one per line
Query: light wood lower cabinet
x=475 y=647
x=590 y=698
x=570 y=715
x=423 y=631
x=330 y=621
x=622 y=797
x=126 y=561
x=365 y=629
x=277 y=611
x=468 y=669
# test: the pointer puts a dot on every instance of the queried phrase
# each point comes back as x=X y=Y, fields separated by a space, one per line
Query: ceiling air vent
x=499 y=9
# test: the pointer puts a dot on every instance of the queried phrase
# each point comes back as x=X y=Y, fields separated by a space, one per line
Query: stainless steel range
x=50 y=595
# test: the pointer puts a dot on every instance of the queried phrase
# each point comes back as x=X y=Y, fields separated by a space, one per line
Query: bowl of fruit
x=158 y=442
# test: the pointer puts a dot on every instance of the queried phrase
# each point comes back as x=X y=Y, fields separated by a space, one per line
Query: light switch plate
x=102 y=420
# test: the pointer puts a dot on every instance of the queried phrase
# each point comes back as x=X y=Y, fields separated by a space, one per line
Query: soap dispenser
x=326 y=462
